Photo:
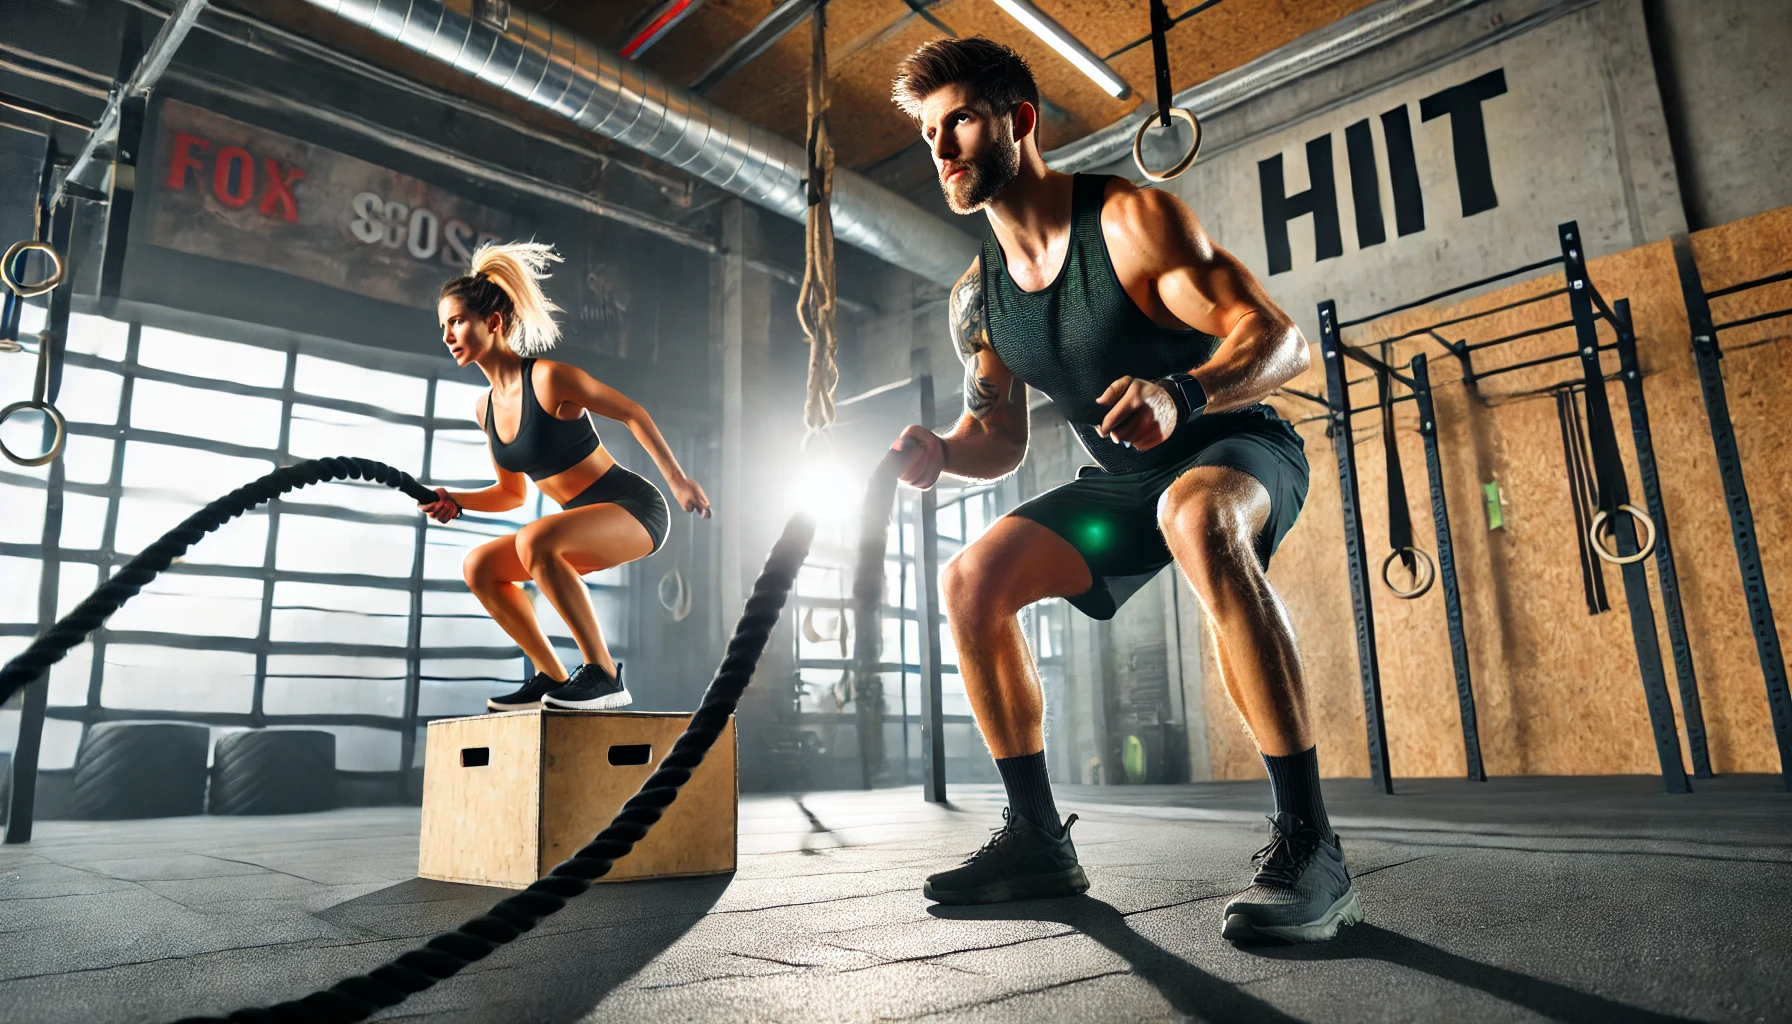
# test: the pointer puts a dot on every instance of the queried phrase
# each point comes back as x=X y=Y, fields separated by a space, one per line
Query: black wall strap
x=1399 y=517
x=1580 y=494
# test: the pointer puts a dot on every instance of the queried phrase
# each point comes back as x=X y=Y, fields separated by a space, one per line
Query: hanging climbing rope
x=816 y=303
x=1160 y=58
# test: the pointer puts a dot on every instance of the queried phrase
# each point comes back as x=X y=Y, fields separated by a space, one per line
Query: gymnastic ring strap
x=1426 y=573
x=56 y=420
x=1644 y=550
x=20 y=288
x=1188 y=158
x=363 y=995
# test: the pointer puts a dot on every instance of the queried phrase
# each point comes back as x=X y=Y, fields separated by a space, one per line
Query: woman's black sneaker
x=527 y=698
x=1021 y=861
x=589 y=689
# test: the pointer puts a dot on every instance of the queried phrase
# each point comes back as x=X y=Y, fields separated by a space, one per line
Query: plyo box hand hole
x=549 y=780
x=631 y=753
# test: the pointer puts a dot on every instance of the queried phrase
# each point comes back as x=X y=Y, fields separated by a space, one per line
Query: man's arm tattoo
x=972 y=338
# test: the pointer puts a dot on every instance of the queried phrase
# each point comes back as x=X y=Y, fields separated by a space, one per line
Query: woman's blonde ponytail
x=518 y=269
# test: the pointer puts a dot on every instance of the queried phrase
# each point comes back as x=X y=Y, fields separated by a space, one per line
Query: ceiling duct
x=532 y=58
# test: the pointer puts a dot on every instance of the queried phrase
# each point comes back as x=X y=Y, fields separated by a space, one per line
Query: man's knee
x=971 y=587
x=1210 y=531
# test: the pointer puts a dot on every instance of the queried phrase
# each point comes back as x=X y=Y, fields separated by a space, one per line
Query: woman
x=497 y=318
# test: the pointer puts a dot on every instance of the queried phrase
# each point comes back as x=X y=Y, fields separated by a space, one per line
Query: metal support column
x=1691 y=710
x=1613 y=493
x=1338 y=395
x=1446 y=569
x=1706 y=353
x=413 y=643
x=927 y=604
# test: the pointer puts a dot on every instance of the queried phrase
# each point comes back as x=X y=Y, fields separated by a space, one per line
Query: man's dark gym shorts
x=1111 y=518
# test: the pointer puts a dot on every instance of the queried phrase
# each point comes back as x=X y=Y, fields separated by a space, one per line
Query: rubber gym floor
x=1585 y=899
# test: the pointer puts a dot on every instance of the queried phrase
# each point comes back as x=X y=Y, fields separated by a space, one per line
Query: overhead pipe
x=553 y=68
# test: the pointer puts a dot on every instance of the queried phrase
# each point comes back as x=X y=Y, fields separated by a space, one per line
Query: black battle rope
x=74 y=627
x=867 y=598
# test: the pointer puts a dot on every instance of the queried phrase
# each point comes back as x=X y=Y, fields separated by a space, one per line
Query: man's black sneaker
x=589 y=689
x=1301 y=892
x=1021 y=861
x=527 y=698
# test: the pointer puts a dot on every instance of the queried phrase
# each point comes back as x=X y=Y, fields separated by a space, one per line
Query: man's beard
x=983 y=179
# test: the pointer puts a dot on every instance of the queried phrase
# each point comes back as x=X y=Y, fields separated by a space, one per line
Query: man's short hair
x=992 y=71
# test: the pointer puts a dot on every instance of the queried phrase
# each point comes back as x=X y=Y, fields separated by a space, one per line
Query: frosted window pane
x=197 y=412
x=197 y=605
x=330 y=379
x=349 y=615
x=241 y=541
x=176 y=679
x=61 y=741
x=70 y=676
x=19 y=579
x=94 y=335
x=456 y=400
x=83 y=520
x=361 y=749
x=461 y=455
x=457 y=700
x=319 y=432
x=177 y=469
x=458 y=620
x=334 y=666
x=75 y=581
x=33 y=317
x=89 y=396
x=23 y=519
x=313 y=544
x=355 y=495
x=208 y=357
x=88 y=460
x=333 y=697
x=607 y=604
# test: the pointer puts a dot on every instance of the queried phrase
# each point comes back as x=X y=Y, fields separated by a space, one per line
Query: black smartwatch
x=1190 y=396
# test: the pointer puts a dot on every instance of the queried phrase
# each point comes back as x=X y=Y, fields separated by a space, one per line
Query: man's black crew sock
x=1295 y=782
x=1029 y=791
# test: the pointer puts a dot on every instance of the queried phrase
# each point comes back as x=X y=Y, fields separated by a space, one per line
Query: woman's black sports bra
x=544 y=444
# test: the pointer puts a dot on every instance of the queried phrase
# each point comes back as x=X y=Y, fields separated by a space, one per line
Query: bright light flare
x=1041 y=24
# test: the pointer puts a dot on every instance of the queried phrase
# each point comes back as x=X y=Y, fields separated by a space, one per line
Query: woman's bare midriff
x=571 y=482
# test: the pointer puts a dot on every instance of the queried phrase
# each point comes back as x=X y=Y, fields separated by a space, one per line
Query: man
x=1158 y=346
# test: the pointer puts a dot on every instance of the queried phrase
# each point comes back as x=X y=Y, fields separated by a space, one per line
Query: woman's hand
x=443 y=509
x=690 y=495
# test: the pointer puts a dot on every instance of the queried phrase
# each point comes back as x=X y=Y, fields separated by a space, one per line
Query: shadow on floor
x=559 y=971
x=1186 y=987
x=1547 y=998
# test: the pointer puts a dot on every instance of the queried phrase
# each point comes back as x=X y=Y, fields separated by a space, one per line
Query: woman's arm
x=569 y=384
x=510 y=491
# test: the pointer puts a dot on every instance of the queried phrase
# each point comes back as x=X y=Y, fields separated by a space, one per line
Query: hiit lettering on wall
x=1461 y=104
x=233 y=191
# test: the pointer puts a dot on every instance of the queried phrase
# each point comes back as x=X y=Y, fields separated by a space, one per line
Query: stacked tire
x=148 y=770
x=274 y=771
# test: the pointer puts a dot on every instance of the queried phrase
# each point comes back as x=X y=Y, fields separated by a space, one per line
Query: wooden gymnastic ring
x=20 y=288
x=1426 y=578
x=55 y=446
x=1188 y=158
x=1644 y=550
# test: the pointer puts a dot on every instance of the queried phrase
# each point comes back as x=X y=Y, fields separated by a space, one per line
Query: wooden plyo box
x=507 y=796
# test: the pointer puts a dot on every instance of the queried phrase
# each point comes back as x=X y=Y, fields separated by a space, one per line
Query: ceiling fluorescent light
x=1041 y=24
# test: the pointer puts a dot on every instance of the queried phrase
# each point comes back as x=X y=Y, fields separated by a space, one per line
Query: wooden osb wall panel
x=1558 y=691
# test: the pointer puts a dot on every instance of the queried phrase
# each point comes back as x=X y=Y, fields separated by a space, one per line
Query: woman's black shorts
x=635 y=494
x=1111 y=518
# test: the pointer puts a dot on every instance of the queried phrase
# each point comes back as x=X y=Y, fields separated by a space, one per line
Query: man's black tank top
x=544 y=444
x=1079 y=334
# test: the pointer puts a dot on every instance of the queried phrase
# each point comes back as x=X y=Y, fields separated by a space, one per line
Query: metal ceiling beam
x=771 y=28
x=88 y=170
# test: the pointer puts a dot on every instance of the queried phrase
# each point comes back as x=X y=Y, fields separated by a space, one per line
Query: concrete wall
x=1725 y=77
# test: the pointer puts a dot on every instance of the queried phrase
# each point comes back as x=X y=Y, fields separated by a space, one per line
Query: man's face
x=974 y=152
